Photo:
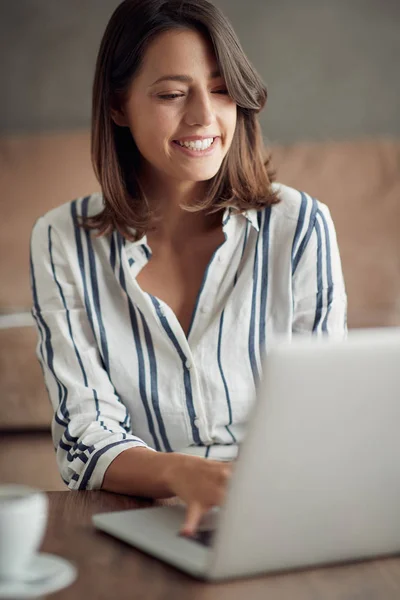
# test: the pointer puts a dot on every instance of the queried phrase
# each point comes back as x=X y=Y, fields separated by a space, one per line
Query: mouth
x=198 y=146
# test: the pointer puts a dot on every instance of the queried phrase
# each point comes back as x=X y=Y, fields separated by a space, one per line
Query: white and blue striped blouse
x=120 y=371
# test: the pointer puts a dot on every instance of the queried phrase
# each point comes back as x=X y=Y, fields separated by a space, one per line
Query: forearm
x=198 y=482
x=142 y=472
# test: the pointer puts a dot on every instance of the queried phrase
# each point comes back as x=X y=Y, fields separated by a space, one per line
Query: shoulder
x=64 y=216
x=296 y=205
x=298 y=213
x=296 y=222
x=304 y=222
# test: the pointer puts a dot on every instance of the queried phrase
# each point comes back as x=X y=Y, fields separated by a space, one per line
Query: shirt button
x=188 y=364
x=203 y=309
x=197 y=422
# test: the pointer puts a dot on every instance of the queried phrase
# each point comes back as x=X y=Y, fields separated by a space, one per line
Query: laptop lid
x=318 y=479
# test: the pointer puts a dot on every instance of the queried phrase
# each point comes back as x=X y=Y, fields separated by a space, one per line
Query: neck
x=167 y=198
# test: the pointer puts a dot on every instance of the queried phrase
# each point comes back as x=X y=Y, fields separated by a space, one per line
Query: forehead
x=178 y=52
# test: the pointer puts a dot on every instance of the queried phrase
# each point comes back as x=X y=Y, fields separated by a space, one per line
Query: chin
x=200 y=174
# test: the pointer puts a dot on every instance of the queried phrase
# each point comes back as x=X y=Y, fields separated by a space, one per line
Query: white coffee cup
x=23 y=518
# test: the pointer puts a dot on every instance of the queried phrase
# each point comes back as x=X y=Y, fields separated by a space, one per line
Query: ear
x=118 y=117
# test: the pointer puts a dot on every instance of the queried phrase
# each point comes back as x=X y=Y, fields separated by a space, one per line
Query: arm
x=141 y=472
x=199 y=482
x=319 y=296
x=90 y=426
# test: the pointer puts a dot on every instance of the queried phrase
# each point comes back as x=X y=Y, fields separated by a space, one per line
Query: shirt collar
x=227 y=223
x=250 y=215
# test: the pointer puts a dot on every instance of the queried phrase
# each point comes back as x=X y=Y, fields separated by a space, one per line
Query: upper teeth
x=198 y=144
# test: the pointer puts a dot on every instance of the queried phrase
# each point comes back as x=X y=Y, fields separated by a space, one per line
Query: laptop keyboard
x=207 y=527
x=204 y=537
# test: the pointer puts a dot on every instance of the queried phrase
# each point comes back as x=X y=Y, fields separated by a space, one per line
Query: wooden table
x=111 y=570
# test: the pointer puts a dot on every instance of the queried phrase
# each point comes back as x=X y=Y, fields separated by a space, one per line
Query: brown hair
x=244 y=178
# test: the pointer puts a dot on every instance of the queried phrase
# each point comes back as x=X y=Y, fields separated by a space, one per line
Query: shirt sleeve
x=319 y=296
x=90 y=425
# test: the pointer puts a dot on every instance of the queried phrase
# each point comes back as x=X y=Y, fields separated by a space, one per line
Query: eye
x=170 y=96
x=221 y=91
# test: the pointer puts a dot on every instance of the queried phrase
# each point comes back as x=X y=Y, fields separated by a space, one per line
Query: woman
x=156 y=299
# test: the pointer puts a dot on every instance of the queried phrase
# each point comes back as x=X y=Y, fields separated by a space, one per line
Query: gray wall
x=331 y=67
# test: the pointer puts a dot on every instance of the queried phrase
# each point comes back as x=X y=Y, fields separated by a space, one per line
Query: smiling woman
x=155 y=300
x=177 y=72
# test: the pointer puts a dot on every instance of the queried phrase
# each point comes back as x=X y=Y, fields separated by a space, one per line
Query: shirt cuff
x=92 y=476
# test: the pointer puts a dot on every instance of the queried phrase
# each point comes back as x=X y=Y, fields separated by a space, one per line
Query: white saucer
x=47 y=573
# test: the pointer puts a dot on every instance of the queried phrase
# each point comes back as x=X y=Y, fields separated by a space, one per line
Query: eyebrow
x=183 y=78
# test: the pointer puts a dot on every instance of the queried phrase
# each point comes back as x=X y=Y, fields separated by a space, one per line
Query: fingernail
x=186 y=532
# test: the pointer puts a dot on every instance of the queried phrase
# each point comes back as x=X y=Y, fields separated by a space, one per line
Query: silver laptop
x=318 y=477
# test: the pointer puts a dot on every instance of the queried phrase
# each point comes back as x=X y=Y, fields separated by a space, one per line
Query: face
x=178 y=109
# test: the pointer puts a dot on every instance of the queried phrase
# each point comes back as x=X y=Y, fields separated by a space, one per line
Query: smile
x=197 y=148
x=202 y=144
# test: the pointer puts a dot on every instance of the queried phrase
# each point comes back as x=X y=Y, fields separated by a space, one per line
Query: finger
x=194 y=513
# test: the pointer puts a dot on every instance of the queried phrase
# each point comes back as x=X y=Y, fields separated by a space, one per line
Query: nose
x=200 y=110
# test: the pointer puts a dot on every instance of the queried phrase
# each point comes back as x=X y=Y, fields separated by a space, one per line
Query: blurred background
x=331 y=67
x=332 y=123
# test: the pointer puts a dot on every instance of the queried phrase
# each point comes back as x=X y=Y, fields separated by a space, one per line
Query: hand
x=201 y=483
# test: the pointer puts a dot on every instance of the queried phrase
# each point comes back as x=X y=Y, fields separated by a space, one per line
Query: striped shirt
x=120 y=371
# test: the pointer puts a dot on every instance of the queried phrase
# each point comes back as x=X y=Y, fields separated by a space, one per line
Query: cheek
x=154 y=133
x=150 y=124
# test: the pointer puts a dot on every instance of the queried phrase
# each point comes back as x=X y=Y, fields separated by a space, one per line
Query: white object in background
x=8 y=321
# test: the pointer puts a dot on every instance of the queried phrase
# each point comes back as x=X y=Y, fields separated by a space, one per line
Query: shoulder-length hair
x=245 y=176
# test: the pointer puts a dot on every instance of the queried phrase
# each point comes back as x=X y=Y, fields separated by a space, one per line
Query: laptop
x=317 y=480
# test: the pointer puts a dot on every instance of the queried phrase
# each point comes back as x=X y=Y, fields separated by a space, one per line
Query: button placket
x=200 y=420
x=205 y=304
